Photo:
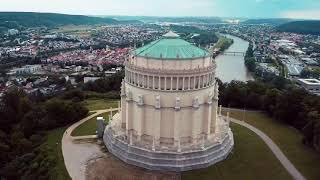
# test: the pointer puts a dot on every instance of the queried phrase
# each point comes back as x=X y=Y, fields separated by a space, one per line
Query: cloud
x=302 y=14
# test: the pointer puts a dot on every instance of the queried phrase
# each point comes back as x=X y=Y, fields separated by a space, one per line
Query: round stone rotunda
x=168 y=118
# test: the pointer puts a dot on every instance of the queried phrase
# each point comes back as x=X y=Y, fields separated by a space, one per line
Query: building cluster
x=127 y=34
x=279 y=53
x=97 y=57
x=89 y=53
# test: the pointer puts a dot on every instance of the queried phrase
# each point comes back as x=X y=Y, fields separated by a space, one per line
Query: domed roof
x=170 y=46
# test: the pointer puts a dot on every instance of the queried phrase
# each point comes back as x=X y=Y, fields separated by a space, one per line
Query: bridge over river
x=230 y=64
x=234 y=53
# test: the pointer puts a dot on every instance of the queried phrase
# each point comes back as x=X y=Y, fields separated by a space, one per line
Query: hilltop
x=20 y=20
x=302 y=27
x=270 y=21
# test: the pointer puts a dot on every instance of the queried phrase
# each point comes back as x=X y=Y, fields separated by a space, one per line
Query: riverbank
x=232 y=67
x=222 y=45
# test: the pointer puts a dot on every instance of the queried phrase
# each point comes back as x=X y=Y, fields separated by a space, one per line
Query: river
x=231 y=67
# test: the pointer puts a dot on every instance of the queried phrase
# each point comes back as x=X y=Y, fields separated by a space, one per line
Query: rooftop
x=171 y=47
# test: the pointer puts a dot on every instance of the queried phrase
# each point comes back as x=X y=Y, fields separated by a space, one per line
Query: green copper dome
x=171 y=47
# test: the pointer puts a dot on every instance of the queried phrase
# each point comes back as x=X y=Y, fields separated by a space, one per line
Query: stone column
x=128 y=112
x=203 y=81
x=165 y=83
x=123 y=106
x=177 y=85
x=157 y=120
x=189 y=83
x=209 y=117
x=183 y=83
x=214 y=120
x=177 y=117
x=195 y=119
x=171 y=83
x=140 y=116
x=153 y=83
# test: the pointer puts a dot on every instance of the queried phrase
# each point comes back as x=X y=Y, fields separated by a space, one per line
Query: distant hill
x=28 y=19
x=154 y=19
x=302 y=27
x=274 y=21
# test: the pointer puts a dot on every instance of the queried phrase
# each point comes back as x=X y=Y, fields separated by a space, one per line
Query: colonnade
x=170 y=82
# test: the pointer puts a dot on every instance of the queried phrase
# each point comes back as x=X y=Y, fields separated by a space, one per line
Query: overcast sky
x=305 y=9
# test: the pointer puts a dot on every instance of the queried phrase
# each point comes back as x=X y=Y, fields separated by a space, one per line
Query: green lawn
x=250 y=159
x=98 y=104
x=89 y=127
x=53 y=150
x=305 y=159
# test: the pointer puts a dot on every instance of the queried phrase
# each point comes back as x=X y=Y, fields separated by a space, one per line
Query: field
x=287 y=138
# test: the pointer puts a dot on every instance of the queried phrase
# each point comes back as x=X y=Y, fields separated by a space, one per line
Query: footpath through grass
x=305 y=159
x=89 y=127
x=251 y=158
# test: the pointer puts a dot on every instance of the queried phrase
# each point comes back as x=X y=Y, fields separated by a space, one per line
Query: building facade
x=169 y=117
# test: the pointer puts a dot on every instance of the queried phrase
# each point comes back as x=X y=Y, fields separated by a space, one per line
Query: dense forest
x=24 y=122
x=302 y=27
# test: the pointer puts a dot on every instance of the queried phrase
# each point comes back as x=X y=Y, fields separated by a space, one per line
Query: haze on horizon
x=298 y=9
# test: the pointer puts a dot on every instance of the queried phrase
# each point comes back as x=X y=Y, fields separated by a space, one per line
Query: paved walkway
x=76 y=154
x=275 y=149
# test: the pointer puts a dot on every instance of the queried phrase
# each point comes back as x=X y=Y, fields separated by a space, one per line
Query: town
x=177 y=90
x=88 y=51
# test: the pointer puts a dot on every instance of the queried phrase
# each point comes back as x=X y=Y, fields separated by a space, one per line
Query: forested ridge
x=301 y=27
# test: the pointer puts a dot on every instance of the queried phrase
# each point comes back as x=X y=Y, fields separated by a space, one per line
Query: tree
x=250 y=64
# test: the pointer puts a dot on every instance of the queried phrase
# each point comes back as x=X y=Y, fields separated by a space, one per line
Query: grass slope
x=305 y=159
x=250 y=159
x=53 y=148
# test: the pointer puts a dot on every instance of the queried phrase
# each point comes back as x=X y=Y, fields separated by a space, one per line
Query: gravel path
x=75 y=154
x=275 y=149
